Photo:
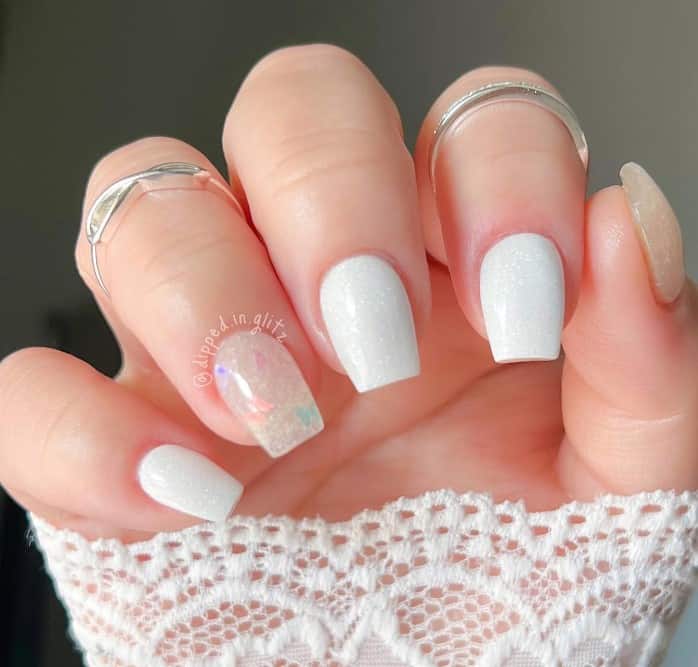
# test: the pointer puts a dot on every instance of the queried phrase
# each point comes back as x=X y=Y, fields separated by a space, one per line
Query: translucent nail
x=658 y=230
x=260 y=382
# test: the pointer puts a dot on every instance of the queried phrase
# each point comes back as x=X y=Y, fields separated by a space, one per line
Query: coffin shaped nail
x=522 y=293
x=369 y=320
x=260 y=382
x=187 y=481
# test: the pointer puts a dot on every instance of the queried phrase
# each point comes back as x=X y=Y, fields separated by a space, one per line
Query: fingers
x=84 y=451
x=191 y=283
x=506 y=212
x=630 y=383
x=316 y=144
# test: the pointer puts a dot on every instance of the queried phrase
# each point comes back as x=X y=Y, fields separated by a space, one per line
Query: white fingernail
x=522 y=292
x=369 y=319
x=187 y=481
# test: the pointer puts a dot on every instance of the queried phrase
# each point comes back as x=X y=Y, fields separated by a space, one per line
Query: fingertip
x=506 y=185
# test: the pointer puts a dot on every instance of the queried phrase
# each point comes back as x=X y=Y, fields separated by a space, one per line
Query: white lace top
x=442 y=580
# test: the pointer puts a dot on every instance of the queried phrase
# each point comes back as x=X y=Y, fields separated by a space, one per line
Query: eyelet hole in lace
x=458 y=580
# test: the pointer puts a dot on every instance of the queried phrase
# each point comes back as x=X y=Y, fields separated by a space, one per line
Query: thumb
x=630 y=380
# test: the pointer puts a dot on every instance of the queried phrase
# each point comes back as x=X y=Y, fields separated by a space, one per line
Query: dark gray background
x=78 y=78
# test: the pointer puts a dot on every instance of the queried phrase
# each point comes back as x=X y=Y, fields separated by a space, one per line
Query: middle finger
x=317 y=145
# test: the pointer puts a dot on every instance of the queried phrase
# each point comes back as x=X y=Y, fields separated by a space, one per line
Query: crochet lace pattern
x=441 y=580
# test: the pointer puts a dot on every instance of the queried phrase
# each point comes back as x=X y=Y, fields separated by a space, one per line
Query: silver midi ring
x=106 y=205
x=507 y=91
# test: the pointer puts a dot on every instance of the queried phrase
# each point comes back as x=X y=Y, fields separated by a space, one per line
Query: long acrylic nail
x=185 y=480
x=369 y=320
x=262 y=385
x=658 y=229
x=522 y=293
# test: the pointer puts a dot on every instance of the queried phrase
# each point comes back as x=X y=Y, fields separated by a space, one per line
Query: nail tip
x=658 y=231
x=522 y=293
x=514 y=358
x=269 y=393
x=214 y=517
x=629 y=166
x=223 y=515
x=186 y=481
x=366 y=386
x=369 y=319
x=511 y=353
x=274 y=451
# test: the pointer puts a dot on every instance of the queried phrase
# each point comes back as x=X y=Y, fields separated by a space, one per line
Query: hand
x=315 y=153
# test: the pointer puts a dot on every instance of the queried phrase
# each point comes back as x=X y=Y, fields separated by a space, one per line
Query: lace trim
x=441 y=580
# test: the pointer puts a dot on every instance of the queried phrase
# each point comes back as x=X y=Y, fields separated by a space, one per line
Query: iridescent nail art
x=262 y=385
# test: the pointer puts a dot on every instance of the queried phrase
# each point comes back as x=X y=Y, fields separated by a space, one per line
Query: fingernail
x=262 y=385
x=658 y=230
x=522 y=293
x=185 y=480
x=369 y=320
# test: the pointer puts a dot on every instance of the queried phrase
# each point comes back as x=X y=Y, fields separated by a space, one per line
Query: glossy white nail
x=522 y=293
x=187 y=481
x=369 y=319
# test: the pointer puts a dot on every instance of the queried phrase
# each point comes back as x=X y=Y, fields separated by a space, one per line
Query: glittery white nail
x=185 y=480
x=369 y=320
x=522 y=292
x=262 y=385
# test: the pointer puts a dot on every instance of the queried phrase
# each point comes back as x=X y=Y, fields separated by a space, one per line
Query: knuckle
x=488 y=74
x=307 y=161
x=57 y=426
x=308 y=56
x=29 y=372
x=18 y=372
x=15 y=365
x=493 y=73
x=108 y=163
x=329 y=101
x=173 y=266
x=130 y=158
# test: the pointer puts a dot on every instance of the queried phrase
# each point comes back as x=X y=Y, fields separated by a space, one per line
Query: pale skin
x=314 y=150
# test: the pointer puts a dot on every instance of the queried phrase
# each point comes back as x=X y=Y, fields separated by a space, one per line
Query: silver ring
x=510 y=91
x=106 y=205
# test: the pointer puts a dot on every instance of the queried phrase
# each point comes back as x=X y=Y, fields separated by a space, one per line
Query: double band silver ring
x=105 y=206
x=111 y=199
x=507 y=91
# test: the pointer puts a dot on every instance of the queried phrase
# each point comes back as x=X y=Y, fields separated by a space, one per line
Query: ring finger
x=505 y=211
x=317 y=145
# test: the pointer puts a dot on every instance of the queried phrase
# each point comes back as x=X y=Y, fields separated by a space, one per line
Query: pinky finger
x=85 y=453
